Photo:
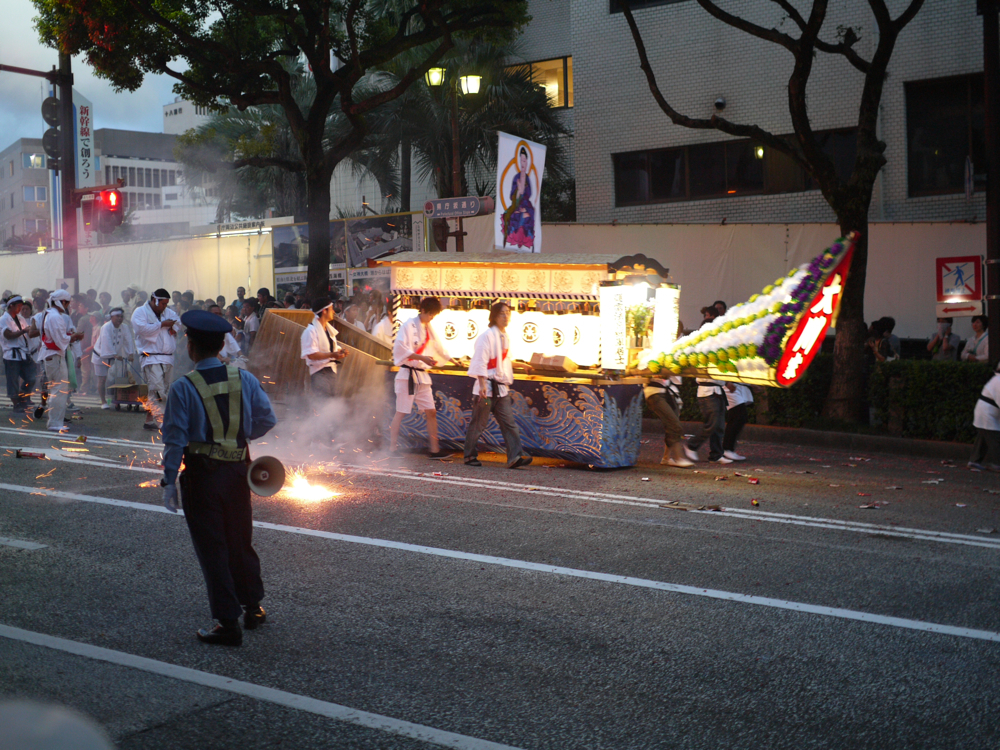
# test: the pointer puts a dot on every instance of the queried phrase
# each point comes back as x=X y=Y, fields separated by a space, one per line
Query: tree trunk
x=318 y=197
x=847 y=399
x=405 y=168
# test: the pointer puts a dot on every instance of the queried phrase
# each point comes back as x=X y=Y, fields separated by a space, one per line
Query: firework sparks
x=299 y=488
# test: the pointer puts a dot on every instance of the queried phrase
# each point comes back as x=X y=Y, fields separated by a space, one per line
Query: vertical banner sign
x=518 y=220
x=86 y=167
x=614 y=341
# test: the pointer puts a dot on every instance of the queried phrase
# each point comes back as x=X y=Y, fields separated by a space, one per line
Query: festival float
x=573 y=395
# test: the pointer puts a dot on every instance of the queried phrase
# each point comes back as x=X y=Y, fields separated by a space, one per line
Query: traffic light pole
x=67 y=183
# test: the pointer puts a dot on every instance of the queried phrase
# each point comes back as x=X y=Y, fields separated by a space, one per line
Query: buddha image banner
x=520 y=165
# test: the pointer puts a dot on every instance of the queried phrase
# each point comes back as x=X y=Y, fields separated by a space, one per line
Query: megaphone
x=266 y=476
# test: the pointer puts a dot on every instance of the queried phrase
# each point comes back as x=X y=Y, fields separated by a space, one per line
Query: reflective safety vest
x=224 y=445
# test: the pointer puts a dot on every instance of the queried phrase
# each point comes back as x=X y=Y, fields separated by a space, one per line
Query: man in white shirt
x=17 y=362
x=320 y=349
x=414 y=352
x=56 y=339
x=156 y=330
x=712 y=403
x=493 y=372
x=251 y=323
x=113 y=344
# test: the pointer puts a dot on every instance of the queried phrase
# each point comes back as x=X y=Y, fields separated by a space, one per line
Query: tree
x=253 y=159
x=237 y=51
x=849 y=198
x=419 y=124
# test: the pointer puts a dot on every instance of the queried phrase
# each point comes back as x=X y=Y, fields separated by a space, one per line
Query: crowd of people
x=106 y=344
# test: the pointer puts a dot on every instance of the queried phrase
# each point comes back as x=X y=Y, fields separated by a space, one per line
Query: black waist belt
x=409 y=384
x=989 y=401
x=156 y=354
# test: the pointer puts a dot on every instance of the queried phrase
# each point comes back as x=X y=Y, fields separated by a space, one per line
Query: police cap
x=206 y=322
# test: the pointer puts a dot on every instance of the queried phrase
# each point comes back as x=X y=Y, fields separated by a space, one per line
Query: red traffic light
x=112 y=200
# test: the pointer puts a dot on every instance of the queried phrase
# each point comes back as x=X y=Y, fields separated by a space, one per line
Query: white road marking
x=724 y=512
x=844 y=614
x=86 y=459
x=335 y=711
x=19 y=544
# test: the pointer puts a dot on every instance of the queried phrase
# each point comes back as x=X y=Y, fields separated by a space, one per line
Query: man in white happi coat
x=56 y=340
x=18 y=365
x=156 y=329
x=493 y=372
x=319 y=348
x=416 y=350
x=113 y=345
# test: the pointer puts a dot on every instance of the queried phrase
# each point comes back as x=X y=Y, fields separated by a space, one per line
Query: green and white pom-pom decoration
x=745 y=343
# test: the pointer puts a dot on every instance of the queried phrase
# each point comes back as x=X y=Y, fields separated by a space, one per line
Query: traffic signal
x=108 y=208
x=52 y=139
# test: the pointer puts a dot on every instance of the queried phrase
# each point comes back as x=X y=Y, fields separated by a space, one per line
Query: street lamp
x=469 y=84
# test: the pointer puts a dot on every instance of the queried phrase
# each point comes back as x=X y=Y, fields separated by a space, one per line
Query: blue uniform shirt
x=185 y=420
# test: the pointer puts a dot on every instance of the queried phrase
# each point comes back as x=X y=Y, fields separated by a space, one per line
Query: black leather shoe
x=222 y=635
x=443 y=453
x=522 y=461
x=254 y=616
x=473 y=462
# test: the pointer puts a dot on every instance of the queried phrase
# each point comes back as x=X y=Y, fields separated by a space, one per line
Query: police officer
x=211 y=413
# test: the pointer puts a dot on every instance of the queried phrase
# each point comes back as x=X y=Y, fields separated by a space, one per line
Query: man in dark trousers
x=212 y=412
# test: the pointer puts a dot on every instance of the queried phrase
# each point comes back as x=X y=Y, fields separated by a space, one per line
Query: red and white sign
x=959 y=279
x=807 y=339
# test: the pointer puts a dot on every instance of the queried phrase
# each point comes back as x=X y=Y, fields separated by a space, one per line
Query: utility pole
x=456 y=167
x=67 y=183
x=991 y=75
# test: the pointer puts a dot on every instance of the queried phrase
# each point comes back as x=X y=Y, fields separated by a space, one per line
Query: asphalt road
x=548 y=607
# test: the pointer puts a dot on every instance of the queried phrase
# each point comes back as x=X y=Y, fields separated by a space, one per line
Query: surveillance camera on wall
x=720 y=103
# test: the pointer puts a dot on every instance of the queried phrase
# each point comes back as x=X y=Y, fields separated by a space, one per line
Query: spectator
x=251 y=323
x=105 y=299
x=263 y=297
x=92 y=304
x=708 y=314
x=141 y=296
x=888 y=324
x=986 y=420
x=129 y=301
x=720 y=307
x=221 y=302
x=943 y=346
x=713 y=405
x=977 y=348
x=289 y=301
x=877 y=344
x=237 y=306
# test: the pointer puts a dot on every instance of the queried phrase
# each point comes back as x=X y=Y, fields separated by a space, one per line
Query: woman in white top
x=977 y=348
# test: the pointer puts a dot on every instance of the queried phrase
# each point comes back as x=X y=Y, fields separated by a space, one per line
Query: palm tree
x=418 y=125
x=255 y=160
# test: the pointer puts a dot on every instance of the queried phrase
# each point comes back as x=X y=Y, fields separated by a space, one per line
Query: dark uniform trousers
x=216 y=498
x=503 y=410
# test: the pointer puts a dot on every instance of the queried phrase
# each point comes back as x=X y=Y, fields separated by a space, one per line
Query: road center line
x=19 y=544
x=844 y=614
x=335 y=711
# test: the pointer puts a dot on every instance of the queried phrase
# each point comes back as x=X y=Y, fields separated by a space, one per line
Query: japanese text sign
x=807 y=338
x=959 y=279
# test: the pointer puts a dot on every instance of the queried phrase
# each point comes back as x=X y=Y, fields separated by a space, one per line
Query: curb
x=958 y=452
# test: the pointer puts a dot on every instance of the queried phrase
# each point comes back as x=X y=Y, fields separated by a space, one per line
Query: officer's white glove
x=171 y=498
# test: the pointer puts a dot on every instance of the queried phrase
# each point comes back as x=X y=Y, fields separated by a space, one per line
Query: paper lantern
x=530 y=332
x=450 y=327
x=614 y=337
x=587 y=340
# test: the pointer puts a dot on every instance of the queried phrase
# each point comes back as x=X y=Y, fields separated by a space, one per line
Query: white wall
x=207 y=266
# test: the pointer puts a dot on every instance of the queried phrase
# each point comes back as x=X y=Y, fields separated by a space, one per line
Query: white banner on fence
x=518 y=220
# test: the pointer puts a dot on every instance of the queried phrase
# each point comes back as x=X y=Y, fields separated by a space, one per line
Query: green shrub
x=924 y=399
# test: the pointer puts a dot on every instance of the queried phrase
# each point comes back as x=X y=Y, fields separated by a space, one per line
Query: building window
x=32 y=161
x=156 y=200
x=156 y=178
x=719 y=170
x=556 y=77
x=170 y=197
x=36 y=225
x=171 y=178
x=11 y=168
x=35 y=194
x=945 y=124
x=131 y=175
